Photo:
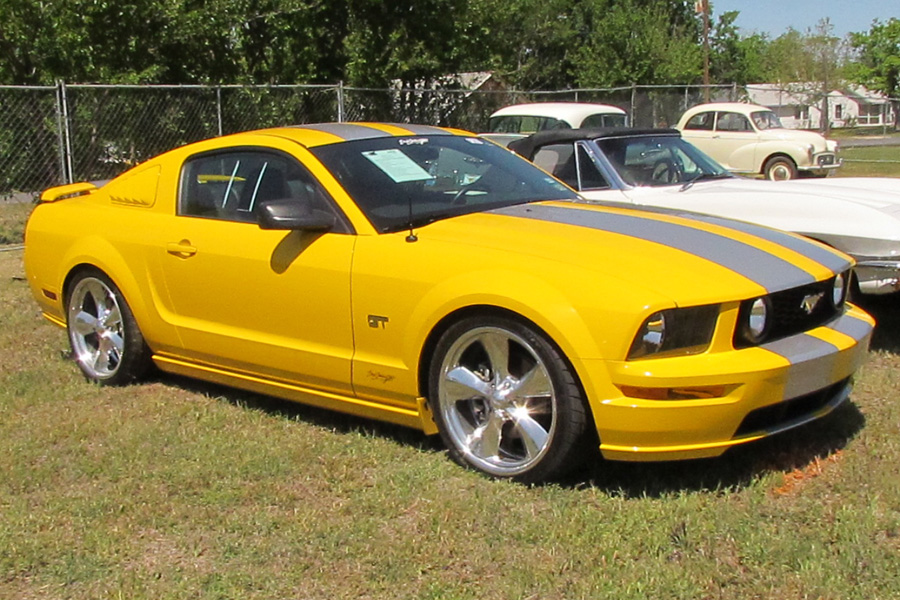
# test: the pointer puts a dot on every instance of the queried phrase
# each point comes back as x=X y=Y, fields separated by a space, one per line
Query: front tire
x=505 y=401
x=106 y=342
x=780 y=168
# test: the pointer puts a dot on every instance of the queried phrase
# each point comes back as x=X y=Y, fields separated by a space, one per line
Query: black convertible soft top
x=529 y=145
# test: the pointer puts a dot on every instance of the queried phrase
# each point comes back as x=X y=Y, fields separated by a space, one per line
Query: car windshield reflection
x=658 y=160
x=399 y=181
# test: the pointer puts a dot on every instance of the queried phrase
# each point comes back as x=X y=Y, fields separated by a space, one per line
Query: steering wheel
x=459 y=198
x=666 y=171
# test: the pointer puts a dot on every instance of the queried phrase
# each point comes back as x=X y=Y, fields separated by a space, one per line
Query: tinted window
x=702 y=121
x=232 y=185
x=524 y=124
x=396 y=181
x=766 y=119
x=733 y=122
x=559 y=160
x=589 y=175
x=605 y=120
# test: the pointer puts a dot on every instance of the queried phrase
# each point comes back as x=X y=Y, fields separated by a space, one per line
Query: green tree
x=635 y=41
x=733 y=58
x=878 y=60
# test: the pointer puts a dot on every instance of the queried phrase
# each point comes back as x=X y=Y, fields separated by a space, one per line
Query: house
x=799 y=105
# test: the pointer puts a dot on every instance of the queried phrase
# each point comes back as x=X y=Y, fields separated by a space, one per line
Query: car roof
x=527 y=146
x=567 y=111
x=321 y=134
x=741 y=107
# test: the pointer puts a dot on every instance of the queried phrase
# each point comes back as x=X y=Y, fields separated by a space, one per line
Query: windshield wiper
x=703 y=177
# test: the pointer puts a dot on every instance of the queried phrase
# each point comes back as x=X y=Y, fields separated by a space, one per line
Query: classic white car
x=656 y=167
x=747 y=138
x=528 y=118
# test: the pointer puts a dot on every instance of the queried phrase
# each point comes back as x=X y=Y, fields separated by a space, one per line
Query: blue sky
x=775 y=16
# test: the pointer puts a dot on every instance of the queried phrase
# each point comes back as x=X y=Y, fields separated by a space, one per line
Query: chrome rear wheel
x=106 y=342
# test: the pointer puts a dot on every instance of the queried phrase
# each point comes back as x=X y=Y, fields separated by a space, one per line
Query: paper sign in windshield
x=397 y=165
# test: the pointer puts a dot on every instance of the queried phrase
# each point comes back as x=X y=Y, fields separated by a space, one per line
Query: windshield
x=658 y=160
x=766 y=119
x=403 y=181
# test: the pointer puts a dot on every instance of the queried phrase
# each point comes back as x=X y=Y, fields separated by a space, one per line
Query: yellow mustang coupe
x=430 y=278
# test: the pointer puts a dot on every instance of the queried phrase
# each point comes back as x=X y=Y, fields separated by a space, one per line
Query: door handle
x=182 y=249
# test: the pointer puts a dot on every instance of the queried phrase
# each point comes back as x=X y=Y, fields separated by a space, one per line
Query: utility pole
x=702 y=7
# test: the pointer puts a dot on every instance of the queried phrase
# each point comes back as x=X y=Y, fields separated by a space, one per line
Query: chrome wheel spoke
x=535 y=384
x=496 y=345
x=534 y=436
x=465 y=383
x=485 y=440
x=84 y=323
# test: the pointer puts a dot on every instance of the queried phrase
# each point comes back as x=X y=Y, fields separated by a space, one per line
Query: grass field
x=173 y=489
x=870 y=161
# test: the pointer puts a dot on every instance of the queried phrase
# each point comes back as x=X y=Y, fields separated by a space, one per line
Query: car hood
x=687 y=260
x=856 y=215
x=794 y=135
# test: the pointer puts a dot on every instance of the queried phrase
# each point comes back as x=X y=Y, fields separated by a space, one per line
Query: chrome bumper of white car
x=878 y=276
x=822 y=163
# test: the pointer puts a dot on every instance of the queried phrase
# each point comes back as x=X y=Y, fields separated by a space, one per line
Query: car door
x=735 y=141
x=272 y=303
x=700 y=131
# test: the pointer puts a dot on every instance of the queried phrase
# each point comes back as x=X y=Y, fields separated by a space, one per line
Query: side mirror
x=293 y=215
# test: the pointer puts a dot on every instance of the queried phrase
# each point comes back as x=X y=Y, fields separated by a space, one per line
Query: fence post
x=633 y=94
x=65 y=138
x=340 y=101
x=219 y=108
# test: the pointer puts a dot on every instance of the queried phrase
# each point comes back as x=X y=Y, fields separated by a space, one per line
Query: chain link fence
x=65 y=133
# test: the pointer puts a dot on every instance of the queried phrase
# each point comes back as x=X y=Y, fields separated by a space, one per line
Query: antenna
x=412 y=237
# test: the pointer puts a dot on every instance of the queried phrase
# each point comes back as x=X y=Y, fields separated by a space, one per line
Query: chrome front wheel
x=505 y=401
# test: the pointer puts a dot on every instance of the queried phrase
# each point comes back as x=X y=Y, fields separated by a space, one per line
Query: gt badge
x=376 y=321
x=810 y=302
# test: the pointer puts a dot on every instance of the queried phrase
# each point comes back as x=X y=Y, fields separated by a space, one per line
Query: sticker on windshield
x=397 y=165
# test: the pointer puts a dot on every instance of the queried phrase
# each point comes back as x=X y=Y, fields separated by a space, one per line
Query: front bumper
x=877 y=276
x=767 y=389
x=822 y=163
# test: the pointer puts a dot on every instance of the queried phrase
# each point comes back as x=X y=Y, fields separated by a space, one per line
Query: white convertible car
x=657 y=168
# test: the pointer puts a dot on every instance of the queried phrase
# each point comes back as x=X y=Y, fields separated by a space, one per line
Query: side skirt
x=420 y=419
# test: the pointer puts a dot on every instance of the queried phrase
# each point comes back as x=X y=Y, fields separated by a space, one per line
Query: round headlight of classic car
x=839 y=290
x=756 y=320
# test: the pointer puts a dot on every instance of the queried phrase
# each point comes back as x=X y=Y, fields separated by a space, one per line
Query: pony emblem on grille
x=810 y=301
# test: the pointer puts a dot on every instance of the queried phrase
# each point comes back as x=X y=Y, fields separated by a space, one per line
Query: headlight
x=675 y=331
x=754 y=320
x=811 y=150
x=839 y=290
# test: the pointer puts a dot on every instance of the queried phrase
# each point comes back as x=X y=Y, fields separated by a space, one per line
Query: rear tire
x=106 y=342
x=505 y=401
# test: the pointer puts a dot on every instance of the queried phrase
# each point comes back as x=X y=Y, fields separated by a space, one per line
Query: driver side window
x=231 y=185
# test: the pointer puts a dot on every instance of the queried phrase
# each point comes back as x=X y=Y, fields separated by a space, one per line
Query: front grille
x=777 y=415
x=827 y=159
x=789 y=315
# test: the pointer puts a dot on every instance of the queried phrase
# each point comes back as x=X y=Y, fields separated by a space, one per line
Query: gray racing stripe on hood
x=807 y=248
x=348 y=131
x=767 y=270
